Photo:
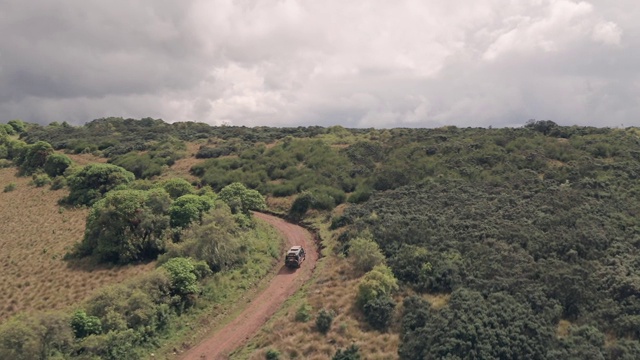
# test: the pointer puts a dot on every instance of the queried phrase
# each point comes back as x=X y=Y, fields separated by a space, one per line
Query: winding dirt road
x=265 y=304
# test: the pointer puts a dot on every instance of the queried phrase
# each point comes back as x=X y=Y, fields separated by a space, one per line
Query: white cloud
x=607 y=33
x=294 y=62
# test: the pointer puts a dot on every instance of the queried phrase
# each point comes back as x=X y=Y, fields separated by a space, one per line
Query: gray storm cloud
x=367 y=63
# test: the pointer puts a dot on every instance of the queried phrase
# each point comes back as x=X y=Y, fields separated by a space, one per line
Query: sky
x=356 y=63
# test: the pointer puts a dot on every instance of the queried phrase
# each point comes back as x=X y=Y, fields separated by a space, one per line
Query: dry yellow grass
x=84 y=159
x=562 y=330
x=334 y=287
x=35 y=234
x=181 y=168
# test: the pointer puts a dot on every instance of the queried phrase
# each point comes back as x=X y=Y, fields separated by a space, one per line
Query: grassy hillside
x=36 y=234
x=468 y=243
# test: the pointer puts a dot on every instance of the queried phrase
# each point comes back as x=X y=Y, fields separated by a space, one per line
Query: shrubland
x=440 y=243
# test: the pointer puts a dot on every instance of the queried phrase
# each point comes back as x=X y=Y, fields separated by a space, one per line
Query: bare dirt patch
x=265 y=304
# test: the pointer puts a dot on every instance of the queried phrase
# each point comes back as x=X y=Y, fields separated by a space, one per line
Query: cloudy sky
x=356 y=63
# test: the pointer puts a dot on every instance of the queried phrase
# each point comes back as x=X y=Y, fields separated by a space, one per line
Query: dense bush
x=189 y=208
x=91 y=183
x=324 y=320
x=365 y=254
x=56 y=164
x=127 y=226
x=379 y=312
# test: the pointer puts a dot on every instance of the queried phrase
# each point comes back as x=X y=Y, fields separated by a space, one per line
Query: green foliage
x=365 y=254
x=303 y=313
x=188 y=208
x=350 y=353
x=177 y=187
x=272 y=354
x=92 y=182
x=379 y=312
x=40 y=180
x=56 y=165
x=240 y=199
x=376 y=283
x=495 y=327
x=182 y=275
x=35 y=157
x=214 y=241
x=58 y=183
x=127 y=226
x=145 y=165
x=36 y=336
x=10 y=187
x=4 y=163
x=324 y=320
x=4 y=152
x=18 y=126
x=84 y=325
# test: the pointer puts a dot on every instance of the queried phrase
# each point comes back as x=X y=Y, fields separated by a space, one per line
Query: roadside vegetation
x=463 y=243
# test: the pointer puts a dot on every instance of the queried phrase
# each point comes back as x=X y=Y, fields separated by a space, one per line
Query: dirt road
x=265 y=304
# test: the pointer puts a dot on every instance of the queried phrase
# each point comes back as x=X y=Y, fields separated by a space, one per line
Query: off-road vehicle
x=295 y=257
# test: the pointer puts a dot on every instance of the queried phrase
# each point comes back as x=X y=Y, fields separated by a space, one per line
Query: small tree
x=177 y=187
x=127 y=226
x=188 y=208
x=376 y=283
x=93 y=181
x=365 y=254
x=56 y=164
x=242 y=200
x=182 y=275
x=324 y=320
x=35 y=157
x=84 y=325
x=379 y=312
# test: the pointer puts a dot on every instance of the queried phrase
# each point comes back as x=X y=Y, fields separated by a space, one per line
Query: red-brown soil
x=265 y=304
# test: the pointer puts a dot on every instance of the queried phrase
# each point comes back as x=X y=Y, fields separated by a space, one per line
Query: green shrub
x=303 y=314
x=94 y=180
x=359 y=196
x=376 y=283
x=272 y=354
x=84 y=325
x=10 y=187
x=283 y=190
x=350 y=353
x=324 y=320
x=40 y=180
x=5 y=163
x=379 y=311
x=365 y=254
x=56 y=164
x=58 y=183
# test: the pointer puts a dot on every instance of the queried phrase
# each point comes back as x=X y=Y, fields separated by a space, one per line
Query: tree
x=379 y=311
x=84 y=325
x=35 y=157
x=177 y=187
x=127 y=226
x=18 y=125
x=38 y=336
x=94 y=180
x=182 y=276
x=240 y=199
x=215 y=240
x=56 y=164
x=188 y=208
x=365 y=254
x=376 y=283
